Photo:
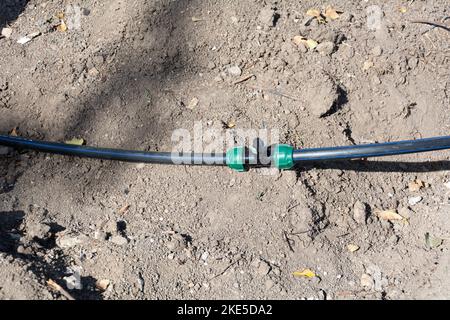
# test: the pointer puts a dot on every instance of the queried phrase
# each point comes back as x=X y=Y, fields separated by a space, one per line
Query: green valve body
x=282 y=157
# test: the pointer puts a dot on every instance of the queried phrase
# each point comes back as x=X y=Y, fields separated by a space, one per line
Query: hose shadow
x=377 y=166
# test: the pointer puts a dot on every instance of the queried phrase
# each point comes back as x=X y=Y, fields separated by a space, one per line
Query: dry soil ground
x=127 y=73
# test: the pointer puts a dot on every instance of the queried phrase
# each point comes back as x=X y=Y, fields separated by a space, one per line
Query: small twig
x=225 y=270
x=274 y=92
x=243 y=79
x=292 y=207
x=53 y=285
x=288 y=241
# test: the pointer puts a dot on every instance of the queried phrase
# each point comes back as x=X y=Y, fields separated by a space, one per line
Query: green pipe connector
x=236 y=158
x=282 y=156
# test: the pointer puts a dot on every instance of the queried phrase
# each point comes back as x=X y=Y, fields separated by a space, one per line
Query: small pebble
x=377 y=51
x=414 y=200
x=119 y=240
x=367 y=281
x=234 y=71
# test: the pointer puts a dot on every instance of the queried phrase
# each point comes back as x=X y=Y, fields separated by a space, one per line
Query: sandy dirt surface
x=126 y=74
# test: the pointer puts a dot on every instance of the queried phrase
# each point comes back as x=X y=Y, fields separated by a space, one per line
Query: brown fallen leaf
x=331 y=13
x=307 y=273
x=13 y=132
x=416 y=185
x=124 y=209
x=313 y=13
x=62 y=27
x=60 y=15
x=389 y=215
x=309 y=43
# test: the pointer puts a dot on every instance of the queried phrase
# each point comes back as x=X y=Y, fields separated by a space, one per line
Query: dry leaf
x=62 y=27
x=309 y=43
x=307 y=273
x=124 y=209
x=416 y=185
x=231 y=125
x=193 y=103
x=103 y=284
x=389 y=215
x=316 y=14
x=298 y=40
x=352 y=247
x=312 y=44
x=60 y=15
x=76 y=142
x=331 y=13
x=367 y=65
x=313 y=13
x=432 y=242
x=13 y=132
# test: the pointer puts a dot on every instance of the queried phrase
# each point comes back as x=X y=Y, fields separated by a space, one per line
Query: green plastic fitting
x=236 y=158
x=282 y=156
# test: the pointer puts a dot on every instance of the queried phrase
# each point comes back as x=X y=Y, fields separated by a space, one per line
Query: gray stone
x=267 y=17
x=360 y=212
x=325 y=48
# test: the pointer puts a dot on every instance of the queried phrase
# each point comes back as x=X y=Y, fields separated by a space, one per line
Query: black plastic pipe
x=302 y=155
x=372 y=150
x=111 y=154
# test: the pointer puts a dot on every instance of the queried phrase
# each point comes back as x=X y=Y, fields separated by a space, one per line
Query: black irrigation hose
x=283 y=156
x=372 y=150
x=110 y=154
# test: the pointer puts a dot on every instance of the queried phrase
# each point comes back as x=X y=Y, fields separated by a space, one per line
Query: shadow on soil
x=10 y=10
x=135 y=84
x=378 y=166
x=12 y=236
